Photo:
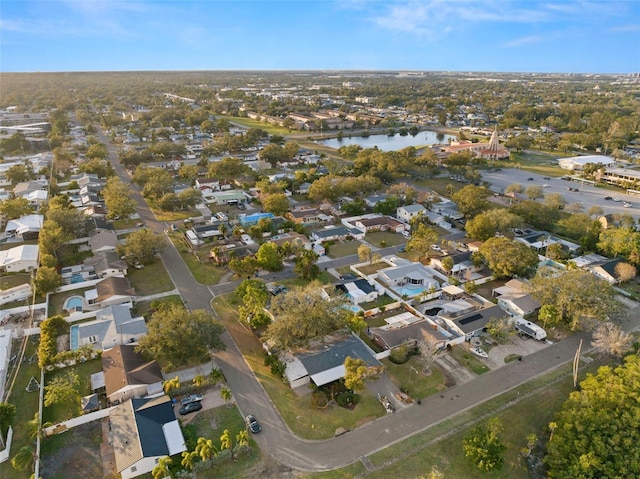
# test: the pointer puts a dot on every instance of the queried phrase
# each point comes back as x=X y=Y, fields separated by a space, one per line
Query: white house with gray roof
x=113 y=326
x=408 y=212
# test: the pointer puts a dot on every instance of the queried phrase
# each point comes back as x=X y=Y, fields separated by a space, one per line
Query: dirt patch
x=78 y=455
x=268 y=468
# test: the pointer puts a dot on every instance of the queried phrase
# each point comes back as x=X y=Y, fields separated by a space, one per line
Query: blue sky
x=459 y=35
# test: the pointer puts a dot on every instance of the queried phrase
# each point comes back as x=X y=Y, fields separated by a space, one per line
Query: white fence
x=4 y=454
x=77 y=421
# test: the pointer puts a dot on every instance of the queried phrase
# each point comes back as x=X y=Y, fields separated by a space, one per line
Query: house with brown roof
x=307 y=215
x=409 y=333
x=128 y=375
x=106 y=264
x=103 y=240
x=380 y=223
x=111 y=290
x=142 y=432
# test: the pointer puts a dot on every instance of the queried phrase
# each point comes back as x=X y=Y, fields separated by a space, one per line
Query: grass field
x=203 y=270
x=304 y=421
x=385 y=238
x=416 y=385
x=339 y=250
x=465 y=358
x=151 y=279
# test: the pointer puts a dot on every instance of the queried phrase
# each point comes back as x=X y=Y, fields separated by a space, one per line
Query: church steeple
x=494 y=144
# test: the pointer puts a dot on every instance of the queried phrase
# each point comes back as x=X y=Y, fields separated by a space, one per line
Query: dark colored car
x=546 y=178
x=608 y=198
x=191 y=407
x=253 y=424
x=530 y=178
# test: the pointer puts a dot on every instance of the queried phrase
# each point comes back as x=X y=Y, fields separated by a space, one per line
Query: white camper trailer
x=529 y=329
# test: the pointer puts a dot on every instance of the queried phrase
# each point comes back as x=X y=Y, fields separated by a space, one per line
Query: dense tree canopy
x=178 y=337
x=598 y=428
x=142 y=247
x=116 y=197
x=506 y=257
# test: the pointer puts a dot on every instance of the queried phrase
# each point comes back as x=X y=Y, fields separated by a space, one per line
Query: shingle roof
x=122 y=366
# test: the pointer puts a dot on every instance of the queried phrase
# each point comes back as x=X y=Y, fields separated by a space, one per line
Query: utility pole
x=576 y=363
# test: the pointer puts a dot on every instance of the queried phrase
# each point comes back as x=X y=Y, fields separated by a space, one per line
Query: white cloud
x=524 y=41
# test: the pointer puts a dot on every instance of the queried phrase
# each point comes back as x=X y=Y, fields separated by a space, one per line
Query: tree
x=578 y=295
x=47 y=280
x=484 y=447
x=171 y=384
x=555 y=200
x=268 y=257
x=34 y=428
x=142 y=247
x=242 y=438
x=625 y=272
x=534 y=192
x=98 y=150
x=205 y=448
x=365 y=253
x=70 y=219
x=15 y=208
x=162 y=468
x=116 y=197
x=610 y=340
x=246 y=266
x=19 y=174
x=188 y=172
x=199 y=334
x=303 y=313
x=226 y=442
x=62 y=389
x=225 y=394
x=422 y=239
x=24 y=459
x=486 y=224
x=52 y=237
x=471 y=200
x=228 y=169
x=515 y=188
x=549 y=315
x=276 y=203
x=595 y=211
x=188 y=459
x=597 y=431
x=507 y=258
x=254 y=297
x=355 y=373
x=7 y=413
x=618 y=241
x=306 y=266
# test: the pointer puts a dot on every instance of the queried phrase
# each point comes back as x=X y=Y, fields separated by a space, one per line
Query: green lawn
x=142 y=307
x=56 y=300
x=151 y=279
x=26 y=406
x=385 y=238
x=203 y=270
x=304 y=421
x=65 y=410
x=368 y=269
x=10 y=280
x=249 y=123
x=465 y=358
x=338 y=250
x=416 y=385
x=170 y=216
x=378 y=303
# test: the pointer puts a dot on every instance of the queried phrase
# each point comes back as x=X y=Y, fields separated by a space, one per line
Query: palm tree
x=223 y=230
x=216 y=375
x=226 y=442
x=609 y=339
x=35 y=429
x=171 y=384
x=188 y=459
x=242 y=438
x=162 y=468
x=205 y=448
x=24 y=459
x=199 y=380
x=225 y=394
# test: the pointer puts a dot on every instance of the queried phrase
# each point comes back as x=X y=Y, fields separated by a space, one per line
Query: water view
x=389 y=143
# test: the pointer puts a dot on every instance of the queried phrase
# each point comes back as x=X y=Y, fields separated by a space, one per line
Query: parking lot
x=586 y=195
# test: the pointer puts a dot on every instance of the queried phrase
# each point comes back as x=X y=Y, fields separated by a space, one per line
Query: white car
x=435 y=247
x=617 y=200
x=626 y=204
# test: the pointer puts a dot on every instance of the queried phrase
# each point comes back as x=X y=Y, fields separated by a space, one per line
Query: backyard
x=151 y=279
x=384 y=239
x=341 y=249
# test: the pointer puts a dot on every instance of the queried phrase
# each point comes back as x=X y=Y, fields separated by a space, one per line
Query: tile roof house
x=128 y=375
x=113 y=326
x=143 y=431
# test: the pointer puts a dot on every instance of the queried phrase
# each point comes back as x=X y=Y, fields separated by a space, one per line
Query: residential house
x=408 y=212
x=371 y=223
x=17 y=293
x=103 y=241
x=607 y=269
x=253 y=219
x=209 y=231
x=408 y=278
x=409 y=332
x=37 y=198
x=373 y=200
x=229 y=197
x=96 y=211
x=105 y=264
x=323 y=362
x=468 y=318
x=358 y=291
x=111 y=290
x=19 y=258
x=518 y=305
x=26 y=227
x=306 y=215
x=296 y=240
x=143 y=431
x=21 y=190
x=113 y=326
x=128 y=375
x=513 y=287
x=337 y=233
x=461 y=266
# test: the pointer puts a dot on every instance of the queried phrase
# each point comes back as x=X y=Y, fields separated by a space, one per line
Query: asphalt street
x=276 y=438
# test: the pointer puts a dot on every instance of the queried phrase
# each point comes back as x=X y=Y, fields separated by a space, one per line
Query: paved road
x=586 y=195
x=277 y=440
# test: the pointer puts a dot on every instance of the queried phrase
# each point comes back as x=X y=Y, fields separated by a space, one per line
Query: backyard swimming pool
x=411 y=292
x=73 y=303
x=74 y=336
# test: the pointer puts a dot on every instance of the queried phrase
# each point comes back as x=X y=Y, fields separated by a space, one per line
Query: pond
x=389 y=143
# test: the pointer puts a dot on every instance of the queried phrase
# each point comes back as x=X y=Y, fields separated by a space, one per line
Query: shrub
x=319 y=400
x=401 y=354
x=277 y=367
x=347 y=399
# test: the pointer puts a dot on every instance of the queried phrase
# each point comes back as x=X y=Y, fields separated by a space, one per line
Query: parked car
x=435 y=247
x=174 y=227
x=608 y=198
x=253 y=424
x=191 y=398
x=570 y=188
x=530 y=178
x=191 y=407
x=617 y=200
x=546 y=177
x=626 y=204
